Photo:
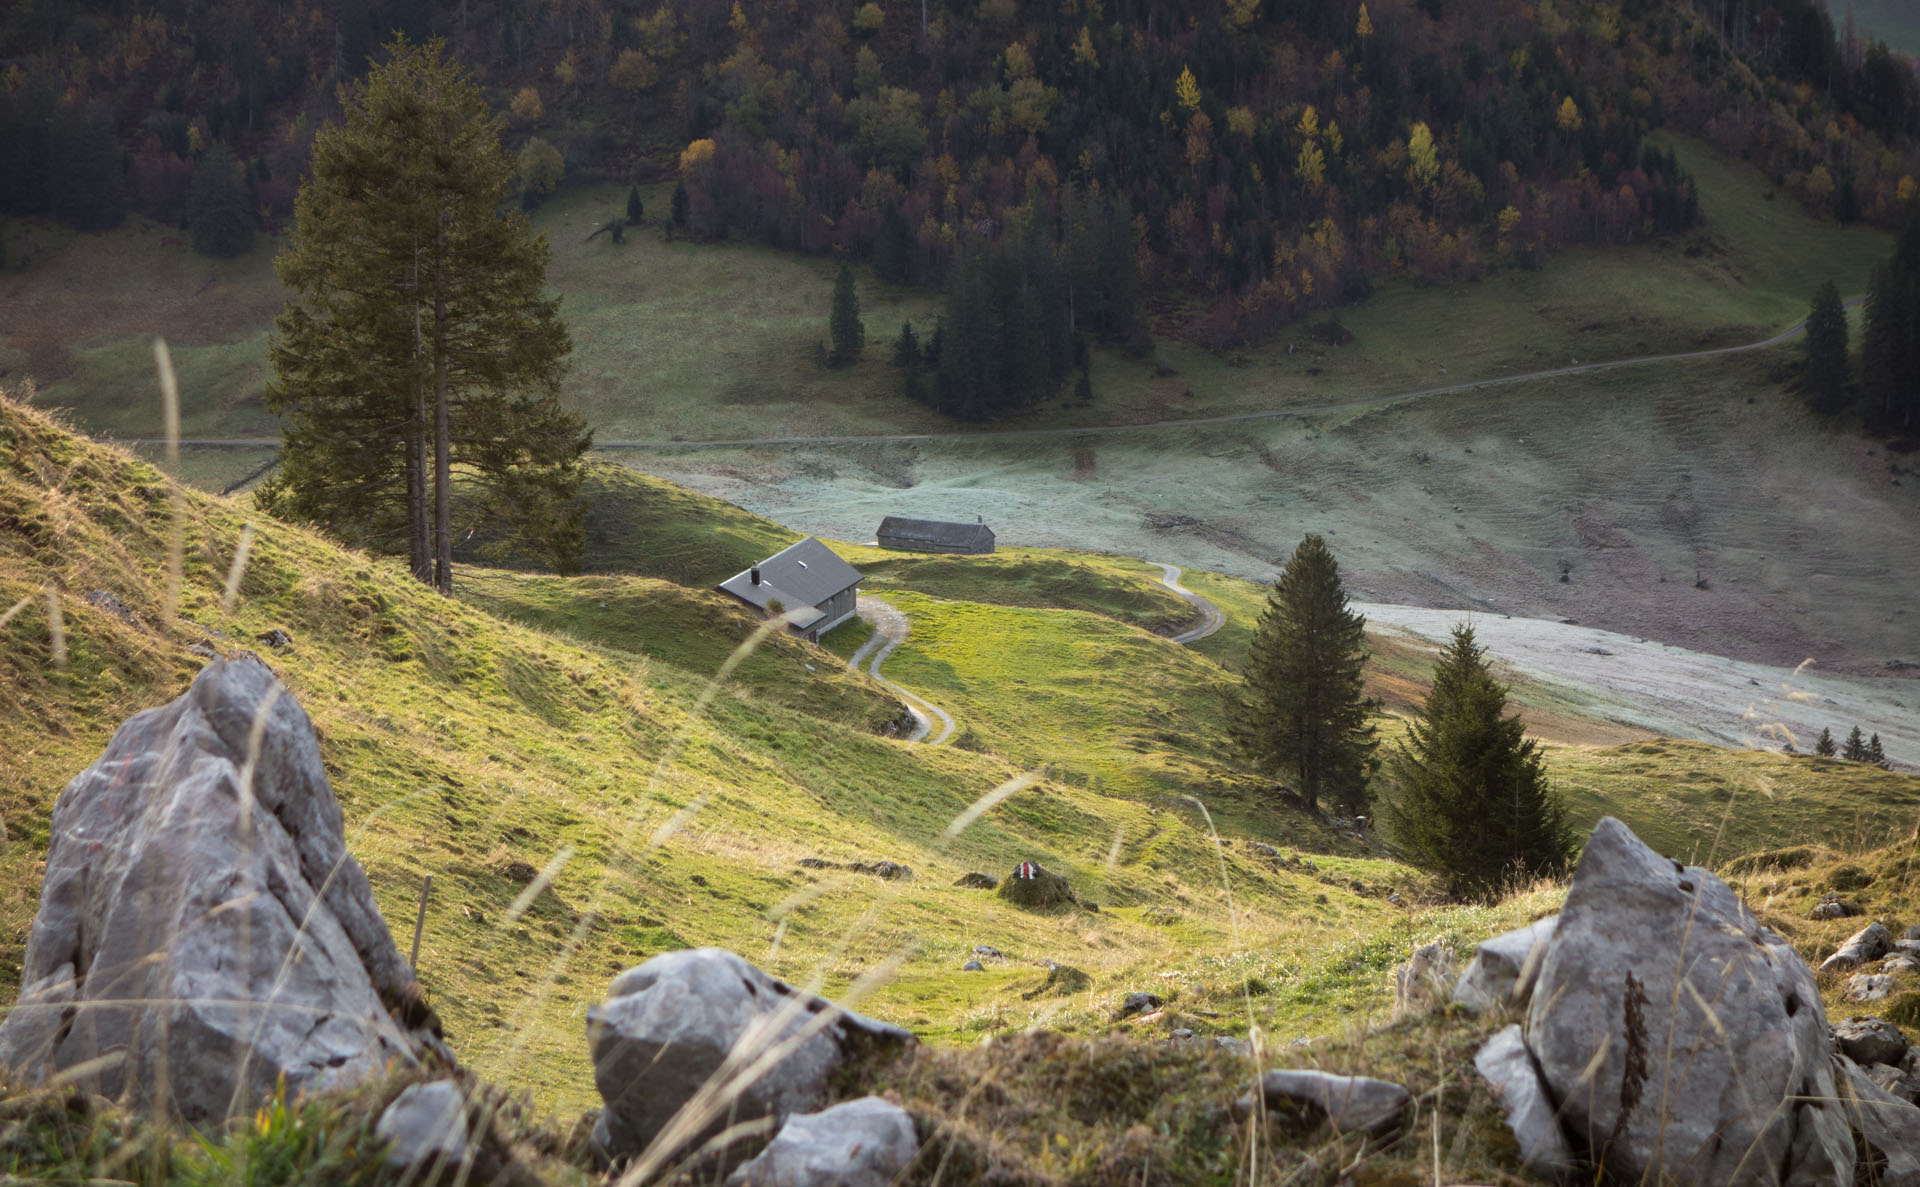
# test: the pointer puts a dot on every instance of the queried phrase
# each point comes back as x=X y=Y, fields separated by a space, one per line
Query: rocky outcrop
x=699 y=1039
x=1682 y=1040
x=1870 y=1040
x=426 y=1130
x=868 y=1142
x=203 y=931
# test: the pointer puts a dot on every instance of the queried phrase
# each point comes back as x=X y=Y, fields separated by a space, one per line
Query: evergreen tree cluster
x=1858 y=748
x=58 y=158
x=1472 y=798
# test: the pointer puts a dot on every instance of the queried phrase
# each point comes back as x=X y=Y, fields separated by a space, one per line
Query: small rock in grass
x=1869 y=943
x=277 y=639
x=868 y=1142
x=1061 y=979
x=1870 y=1040
x=816 y=863
x=987 y=950
x=891 y=871
x=972 y=966
x=1351 y=1104
x=426 y=1126
x=1869 y=987
x=1138 y=1003
x=977 y=882
x=1900 y=962
x=1160 y=916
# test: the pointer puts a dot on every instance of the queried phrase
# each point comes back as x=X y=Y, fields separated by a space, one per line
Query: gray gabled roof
x=805 y=574
x=932 y=531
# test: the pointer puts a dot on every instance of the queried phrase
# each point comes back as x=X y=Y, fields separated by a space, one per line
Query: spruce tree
x=1856 y=747
x=849 y=335
x=1471 y=798
x=1876 y=753
x=219 y=217
x=677 y=210
x=420 y=341
x=1823 y=746
x=906 y=348
x=635 y=209
x=1302 y=713
x=1827 y=350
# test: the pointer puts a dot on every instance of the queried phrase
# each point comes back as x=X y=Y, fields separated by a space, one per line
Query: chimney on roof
x=979 y=519
x=753 y=575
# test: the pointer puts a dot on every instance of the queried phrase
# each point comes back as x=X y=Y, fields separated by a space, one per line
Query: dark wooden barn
x=929 y=535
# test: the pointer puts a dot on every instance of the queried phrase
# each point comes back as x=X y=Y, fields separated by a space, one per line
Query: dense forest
x=1256 y=158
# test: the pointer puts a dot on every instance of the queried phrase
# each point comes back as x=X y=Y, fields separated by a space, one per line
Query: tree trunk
x=442 y=455
x=419 y=546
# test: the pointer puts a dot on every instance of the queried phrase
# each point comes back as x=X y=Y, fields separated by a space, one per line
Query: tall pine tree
x=1471 y=798
x=1856 y=748
x=1302 y=713
x=420 y=347
x=1827 y=350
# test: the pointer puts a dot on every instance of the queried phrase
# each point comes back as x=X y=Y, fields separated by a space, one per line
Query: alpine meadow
x=735 y=593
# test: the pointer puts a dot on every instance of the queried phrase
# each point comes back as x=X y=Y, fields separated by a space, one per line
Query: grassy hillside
x=462 y=743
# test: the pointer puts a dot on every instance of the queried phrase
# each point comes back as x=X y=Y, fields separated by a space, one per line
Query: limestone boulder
x=1650 y=958
x=1869 y=943
x=203 y=932
x=704 y=1018
x=1503 y=970
x=868 y=1142
x=426 y=1130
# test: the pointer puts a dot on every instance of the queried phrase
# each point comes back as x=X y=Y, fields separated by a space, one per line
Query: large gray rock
x=868 y=1142
x=1869 y=943
x=1505 y=1063
x=205 y=931
x=1504 y=968
x=671 y=1025
x=1684 y=1041
x=1351 y=1104
x=1888 y=1126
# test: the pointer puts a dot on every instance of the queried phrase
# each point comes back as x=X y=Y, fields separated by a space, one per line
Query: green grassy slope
x=461 y=743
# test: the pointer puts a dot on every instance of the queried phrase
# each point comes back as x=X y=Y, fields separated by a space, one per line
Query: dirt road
x=889 y=630
x=1211 y=619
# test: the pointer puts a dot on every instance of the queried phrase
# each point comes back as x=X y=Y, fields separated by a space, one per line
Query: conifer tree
x=219 y=217
x=678 y=208
x=849 y=334
x=635 y=208
x=1302 y=713
x=1471 y=796
x=1876 y=753
x=420 y=346
x=1823 y=745
x=1856 y=747
x=1827 y=350
x=906 y=348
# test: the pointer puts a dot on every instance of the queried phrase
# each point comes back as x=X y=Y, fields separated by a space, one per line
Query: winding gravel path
x=1211 y=619
x=889 y=630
